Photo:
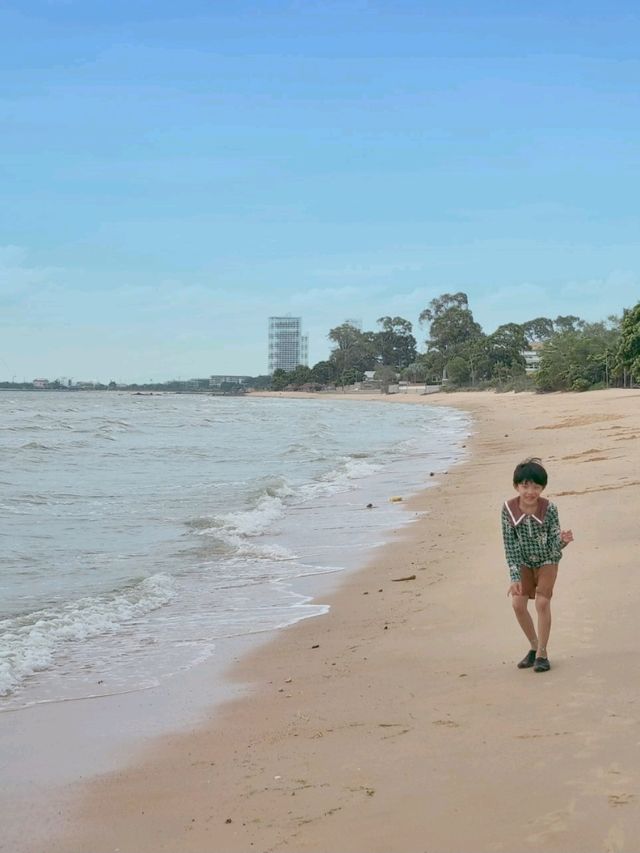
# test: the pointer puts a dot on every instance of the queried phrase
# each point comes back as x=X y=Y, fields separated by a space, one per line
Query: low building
x=532 y=358
x=218 y=381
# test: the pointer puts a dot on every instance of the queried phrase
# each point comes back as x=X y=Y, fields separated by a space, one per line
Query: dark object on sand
x=408 y=578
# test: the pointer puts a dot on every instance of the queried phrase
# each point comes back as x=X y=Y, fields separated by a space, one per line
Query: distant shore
x=398 y=721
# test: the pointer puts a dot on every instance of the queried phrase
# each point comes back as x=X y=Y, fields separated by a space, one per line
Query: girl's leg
x=519 y=604
x=543 y=608
x=544 y=590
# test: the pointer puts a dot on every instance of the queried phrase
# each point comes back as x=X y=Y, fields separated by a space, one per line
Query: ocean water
x=137 y=531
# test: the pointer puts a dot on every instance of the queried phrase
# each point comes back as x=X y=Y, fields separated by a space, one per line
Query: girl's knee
x=519 y=603
x=542 y=603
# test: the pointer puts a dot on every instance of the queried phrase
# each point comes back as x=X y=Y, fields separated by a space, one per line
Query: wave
x=31 y=643
x=340 y=479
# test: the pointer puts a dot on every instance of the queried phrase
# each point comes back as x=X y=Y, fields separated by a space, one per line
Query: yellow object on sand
x=395 y=499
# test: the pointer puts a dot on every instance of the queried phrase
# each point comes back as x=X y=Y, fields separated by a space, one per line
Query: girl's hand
x=566 y=536
x=515 y=589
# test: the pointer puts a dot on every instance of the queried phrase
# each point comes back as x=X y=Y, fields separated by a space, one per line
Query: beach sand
x=399 y=721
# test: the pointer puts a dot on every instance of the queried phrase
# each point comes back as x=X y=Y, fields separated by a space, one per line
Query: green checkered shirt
x=529 y=540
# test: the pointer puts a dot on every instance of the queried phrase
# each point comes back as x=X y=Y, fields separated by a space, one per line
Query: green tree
x=452 y=329
x=324 y=372
x=352 y=349
x=386 y=376
x=505 y=349
x=451 y=323
x=260 y=383
x=539 y=329
x=628 y=350
x=433 y=365
x=350 y=376
x=300 y=376
x=578 y=359
x=458 y=370
x=569 y=323
x=415 y=372
x=477 y=355
x=280 y=379
x=394 y=344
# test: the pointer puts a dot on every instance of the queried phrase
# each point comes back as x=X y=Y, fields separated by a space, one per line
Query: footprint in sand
x=620 y=799
x=584 y=453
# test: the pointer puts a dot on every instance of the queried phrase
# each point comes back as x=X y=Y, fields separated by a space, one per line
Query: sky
x=174 y=173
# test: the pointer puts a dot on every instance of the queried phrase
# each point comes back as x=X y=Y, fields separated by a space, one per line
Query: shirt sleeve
x=554 y=543
x=512 y=547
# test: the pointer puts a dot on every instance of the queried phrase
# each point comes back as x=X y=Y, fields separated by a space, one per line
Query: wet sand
x=399 y=722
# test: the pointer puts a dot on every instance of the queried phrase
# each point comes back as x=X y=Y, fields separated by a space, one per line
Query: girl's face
x=529 y=492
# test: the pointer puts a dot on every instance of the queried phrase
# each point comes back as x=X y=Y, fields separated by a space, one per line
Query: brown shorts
x=538 y=581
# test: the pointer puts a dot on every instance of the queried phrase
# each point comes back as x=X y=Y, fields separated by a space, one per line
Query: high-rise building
x=288 y=347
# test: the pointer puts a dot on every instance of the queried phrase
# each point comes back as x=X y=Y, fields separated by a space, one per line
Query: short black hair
x=530 y=470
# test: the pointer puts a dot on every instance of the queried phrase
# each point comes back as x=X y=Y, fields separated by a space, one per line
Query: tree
x=505 y=349
x=301 y=375
x=539 y=329
x=432 y=364
x=441 y=304
x=570 y=323
x=458 y=371
x=452 y=329
x=451 y=323
x=350 y=376
x=415 y=372
x=259 y=382
x=386 y=376
x=394 y=345
x=578 y=359
x=628 y=350
x=353 y=349
x=279 y=379
x=324 y=372
x=477 y=356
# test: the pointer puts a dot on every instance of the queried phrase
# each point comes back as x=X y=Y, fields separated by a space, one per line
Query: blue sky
x=173 y=173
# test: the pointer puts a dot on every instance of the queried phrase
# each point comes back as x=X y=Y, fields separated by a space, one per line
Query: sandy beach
x=398 y=721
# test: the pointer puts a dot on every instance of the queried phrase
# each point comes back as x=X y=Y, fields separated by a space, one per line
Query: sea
x=139 y=531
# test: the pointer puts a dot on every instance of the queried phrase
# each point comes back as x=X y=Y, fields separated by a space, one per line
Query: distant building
x=288 y=347
x=40 y=383
x=217 y=381
x=532 y=358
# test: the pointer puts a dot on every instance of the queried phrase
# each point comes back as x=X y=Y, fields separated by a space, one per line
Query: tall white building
x=288 y=347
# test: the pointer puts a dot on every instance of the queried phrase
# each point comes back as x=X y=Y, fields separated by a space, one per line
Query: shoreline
x=378 y=726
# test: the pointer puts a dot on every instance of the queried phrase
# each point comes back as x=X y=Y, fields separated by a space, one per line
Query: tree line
x=573 y=355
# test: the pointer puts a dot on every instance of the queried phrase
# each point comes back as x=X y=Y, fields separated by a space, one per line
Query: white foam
x=252 y=522
x=31 y=644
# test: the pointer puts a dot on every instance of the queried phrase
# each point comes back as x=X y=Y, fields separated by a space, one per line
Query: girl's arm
x=511 y=547
x=554 y=535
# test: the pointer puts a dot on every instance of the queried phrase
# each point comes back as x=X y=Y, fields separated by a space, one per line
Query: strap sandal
x=541 y=665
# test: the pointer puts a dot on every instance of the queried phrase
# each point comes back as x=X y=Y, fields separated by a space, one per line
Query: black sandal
x=541 y=665
x=528 y=660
